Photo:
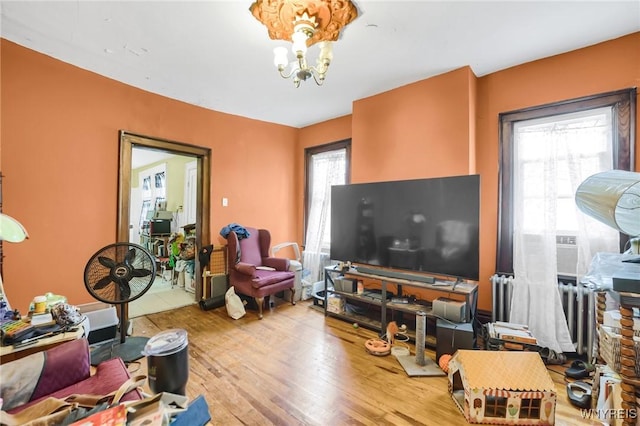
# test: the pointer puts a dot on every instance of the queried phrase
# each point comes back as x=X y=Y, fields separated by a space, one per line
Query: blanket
x=240 y=231
x=18 y=380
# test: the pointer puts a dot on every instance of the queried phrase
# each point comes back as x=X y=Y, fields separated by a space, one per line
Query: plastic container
x=39 y=304
x=51 y=299
x=103 y=325
x=168 y=361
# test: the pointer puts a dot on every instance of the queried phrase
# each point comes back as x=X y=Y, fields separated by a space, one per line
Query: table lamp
x=613 y=198
x=12 y=231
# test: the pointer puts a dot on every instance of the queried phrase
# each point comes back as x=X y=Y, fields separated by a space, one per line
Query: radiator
x=578 y=303
x=314 y=264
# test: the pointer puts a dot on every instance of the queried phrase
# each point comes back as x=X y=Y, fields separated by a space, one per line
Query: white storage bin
x=103 y=324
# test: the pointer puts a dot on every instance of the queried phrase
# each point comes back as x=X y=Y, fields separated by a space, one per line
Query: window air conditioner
x=567 y=255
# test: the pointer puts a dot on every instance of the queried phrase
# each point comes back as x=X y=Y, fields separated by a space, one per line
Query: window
x=326 y=165
x=495 y=406
x=530 y=408
x=594 y=132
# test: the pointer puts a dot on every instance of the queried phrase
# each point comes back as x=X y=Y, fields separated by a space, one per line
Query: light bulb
x=280 y=57
x=326 y=50
x=299 y=43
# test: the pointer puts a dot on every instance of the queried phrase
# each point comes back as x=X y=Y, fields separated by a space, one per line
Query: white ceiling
x=141 y=156
x=215 y=54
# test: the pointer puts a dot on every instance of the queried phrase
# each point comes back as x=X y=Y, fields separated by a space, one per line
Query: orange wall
x=60 y=150
x=59 y=128
x=448 y=124
x=415 y=131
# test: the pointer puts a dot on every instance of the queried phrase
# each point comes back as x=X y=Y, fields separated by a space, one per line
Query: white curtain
x=328 y=168
x=553 y=156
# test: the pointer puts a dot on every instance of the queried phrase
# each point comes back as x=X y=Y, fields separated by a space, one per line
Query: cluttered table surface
x=11 y=352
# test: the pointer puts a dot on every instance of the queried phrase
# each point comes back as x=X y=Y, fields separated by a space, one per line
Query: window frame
x=308 y=156
x=623 y=104
x=495 y=406
x=530 y=408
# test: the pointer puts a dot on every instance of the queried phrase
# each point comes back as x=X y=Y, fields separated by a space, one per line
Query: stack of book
x=512 y=336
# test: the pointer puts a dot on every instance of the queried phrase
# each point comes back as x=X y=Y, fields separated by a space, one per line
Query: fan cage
x=110 y=294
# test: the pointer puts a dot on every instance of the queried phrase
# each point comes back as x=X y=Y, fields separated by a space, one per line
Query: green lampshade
x=11 y=230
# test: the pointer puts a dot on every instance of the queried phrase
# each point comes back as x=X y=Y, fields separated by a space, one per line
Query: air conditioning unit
x=567 y=255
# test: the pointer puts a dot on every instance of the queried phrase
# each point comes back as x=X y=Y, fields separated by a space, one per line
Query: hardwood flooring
x=296 y=367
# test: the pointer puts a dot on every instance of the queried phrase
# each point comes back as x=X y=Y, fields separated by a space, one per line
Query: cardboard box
x=346 y=285
x=114 y=416
x=453 y=310
x=484 y=383
x=335 y=304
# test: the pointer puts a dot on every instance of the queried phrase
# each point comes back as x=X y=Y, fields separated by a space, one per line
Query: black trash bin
x=168 y=361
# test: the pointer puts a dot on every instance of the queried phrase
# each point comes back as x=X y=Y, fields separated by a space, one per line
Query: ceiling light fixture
x=304 y=23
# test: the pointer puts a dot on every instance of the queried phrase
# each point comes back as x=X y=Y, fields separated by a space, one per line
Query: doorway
x=159 y=181
x=162 y=211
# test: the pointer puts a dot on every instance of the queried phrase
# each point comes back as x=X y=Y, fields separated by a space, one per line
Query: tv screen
x=428 y=225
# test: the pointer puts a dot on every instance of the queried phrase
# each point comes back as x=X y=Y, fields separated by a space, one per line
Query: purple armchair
x=247 y=256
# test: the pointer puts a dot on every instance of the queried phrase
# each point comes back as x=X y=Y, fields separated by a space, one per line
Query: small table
x=10 y=353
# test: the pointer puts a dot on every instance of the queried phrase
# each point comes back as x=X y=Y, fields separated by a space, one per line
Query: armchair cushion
x=265 y=278
x=64 y=370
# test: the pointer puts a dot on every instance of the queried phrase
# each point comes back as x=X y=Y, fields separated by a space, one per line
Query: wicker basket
x=609 y=342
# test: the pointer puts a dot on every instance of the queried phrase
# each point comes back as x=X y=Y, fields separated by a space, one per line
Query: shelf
x=389 y=310
x=410 y=308
x=360 y=297
x=362 y=320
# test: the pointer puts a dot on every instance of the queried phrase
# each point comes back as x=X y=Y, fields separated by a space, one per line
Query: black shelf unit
x=394 y=310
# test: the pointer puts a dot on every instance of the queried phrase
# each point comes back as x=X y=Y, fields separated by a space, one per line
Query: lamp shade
x=11 y=230
x=613 y=198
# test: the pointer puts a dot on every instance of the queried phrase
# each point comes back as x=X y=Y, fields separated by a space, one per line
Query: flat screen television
x=426 y=225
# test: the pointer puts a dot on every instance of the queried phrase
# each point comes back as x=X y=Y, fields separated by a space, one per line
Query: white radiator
x=578 y=303
x=314 y=264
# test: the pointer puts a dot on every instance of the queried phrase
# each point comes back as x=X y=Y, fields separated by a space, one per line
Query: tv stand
x=379 y=322
x=396 y=274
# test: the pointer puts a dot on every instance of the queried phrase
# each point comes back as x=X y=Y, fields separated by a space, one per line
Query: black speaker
x=451 y=336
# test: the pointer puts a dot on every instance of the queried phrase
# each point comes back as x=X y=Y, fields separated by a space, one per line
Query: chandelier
x=304 y=23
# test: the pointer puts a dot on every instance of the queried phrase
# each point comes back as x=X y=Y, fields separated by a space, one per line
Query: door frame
x=203 y=192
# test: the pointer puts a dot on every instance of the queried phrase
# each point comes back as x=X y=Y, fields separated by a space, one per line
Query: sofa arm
x=42 y=373
x=245 y=268
x=64 y=365
x=278 y=263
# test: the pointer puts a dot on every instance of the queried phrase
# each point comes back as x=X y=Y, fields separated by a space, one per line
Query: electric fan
x=118 y=274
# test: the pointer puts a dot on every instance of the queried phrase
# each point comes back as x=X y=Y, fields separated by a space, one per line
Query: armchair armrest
x=279 y=263
x=245 y=268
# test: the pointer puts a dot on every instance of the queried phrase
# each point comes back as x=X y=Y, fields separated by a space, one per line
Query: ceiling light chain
x=304 y=23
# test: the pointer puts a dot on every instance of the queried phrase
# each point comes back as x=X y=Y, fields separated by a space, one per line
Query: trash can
x=168 y=361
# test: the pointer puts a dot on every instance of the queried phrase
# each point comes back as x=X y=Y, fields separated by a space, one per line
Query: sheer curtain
x=552 y=157
x=328 y=168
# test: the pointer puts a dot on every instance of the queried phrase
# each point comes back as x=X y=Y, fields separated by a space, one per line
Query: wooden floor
x=296 y=367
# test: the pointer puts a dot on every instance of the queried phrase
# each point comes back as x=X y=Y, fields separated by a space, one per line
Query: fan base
x=129 y=351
